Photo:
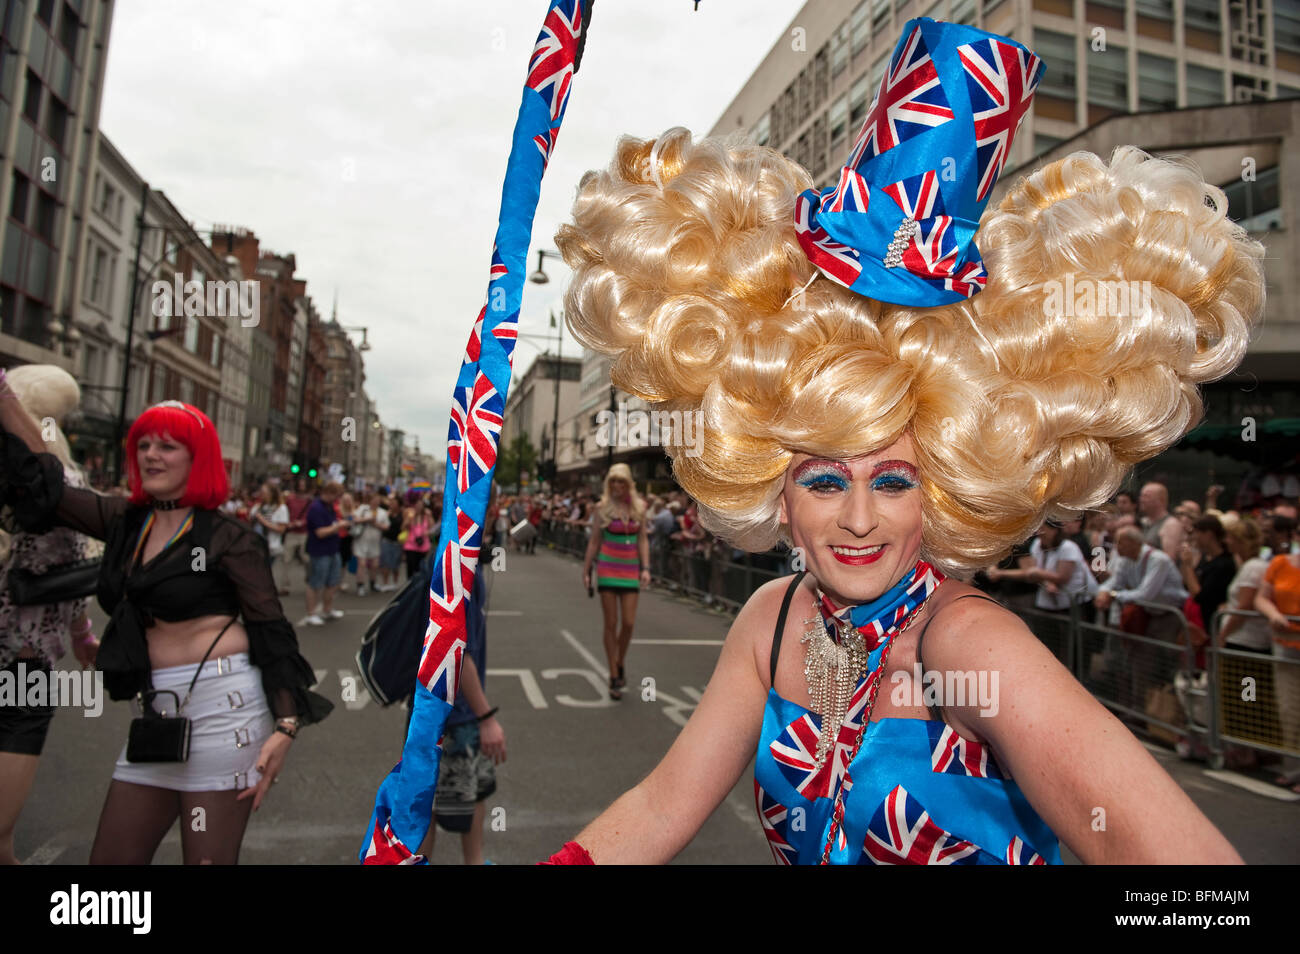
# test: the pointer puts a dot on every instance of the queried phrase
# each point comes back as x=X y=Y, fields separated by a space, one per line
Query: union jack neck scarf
x=888 y=611
x=845 y=644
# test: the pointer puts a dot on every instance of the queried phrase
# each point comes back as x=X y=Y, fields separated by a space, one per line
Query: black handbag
x=158 y=737
x=59 y=584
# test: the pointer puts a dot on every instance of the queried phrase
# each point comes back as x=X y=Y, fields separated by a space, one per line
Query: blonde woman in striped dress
x=620 y=550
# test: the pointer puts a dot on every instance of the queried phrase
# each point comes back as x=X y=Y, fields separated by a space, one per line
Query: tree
x=519 y=455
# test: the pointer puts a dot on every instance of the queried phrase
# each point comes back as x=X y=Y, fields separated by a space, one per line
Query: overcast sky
x=370 y=140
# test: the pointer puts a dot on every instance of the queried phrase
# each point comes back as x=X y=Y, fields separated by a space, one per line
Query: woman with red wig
x=196 y=629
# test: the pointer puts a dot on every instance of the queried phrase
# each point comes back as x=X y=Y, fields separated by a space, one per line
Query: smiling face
x=164 y=466
x=620 y=489
x=858 y=522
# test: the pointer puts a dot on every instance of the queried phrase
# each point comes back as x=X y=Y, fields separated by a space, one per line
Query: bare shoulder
x=756 y=622
x=962 y=633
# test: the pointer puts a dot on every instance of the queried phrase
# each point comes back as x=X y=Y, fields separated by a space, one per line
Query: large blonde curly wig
x=685 y=257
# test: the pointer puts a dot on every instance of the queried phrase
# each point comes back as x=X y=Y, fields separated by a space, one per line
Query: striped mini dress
x=618 y=565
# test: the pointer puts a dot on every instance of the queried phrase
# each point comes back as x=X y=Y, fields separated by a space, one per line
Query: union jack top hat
x=899 y=226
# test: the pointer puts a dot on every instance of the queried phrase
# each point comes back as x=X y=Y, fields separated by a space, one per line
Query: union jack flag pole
x=404 y=803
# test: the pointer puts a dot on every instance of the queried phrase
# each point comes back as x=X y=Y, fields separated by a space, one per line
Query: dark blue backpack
x=389 y=657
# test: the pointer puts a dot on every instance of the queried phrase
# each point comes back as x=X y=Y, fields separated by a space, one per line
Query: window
x=1202 y=15
x=879 y=15
x=216 y=351
x=1254 y=205
x=859 y=26
x=68 y=28
x=839 y=117
x=840 y=50
x=1204 y=86
x=108 y=201
x=191 y=335
x=47 y=213
x=859 y=99
x=45 y=11
x=100 y=276
x=1057 y=51
x=1157 y=83
x=1156 y=9
x=32 y=98
x=963 y=11
x=878 y=71
x=1286 y=27
x=21 y=193
x=1043 y=143
x=1108 y=78
x=56 y=123
x=763 y=129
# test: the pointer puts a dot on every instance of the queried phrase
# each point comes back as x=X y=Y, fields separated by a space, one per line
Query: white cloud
x=253 y=114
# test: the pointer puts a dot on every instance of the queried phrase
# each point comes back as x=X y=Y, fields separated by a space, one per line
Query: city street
x=571 y=751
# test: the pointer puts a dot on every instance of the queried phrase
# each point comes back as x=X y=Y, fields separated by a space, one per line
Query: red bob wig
x=208 y=486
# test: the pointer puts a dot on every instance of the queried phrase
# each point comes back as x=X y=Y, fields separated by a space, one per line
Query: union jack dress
x=913 y=793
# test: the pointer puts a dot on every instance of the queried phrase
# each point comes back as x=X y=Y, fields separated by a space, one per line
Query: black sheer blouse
x=219 y=566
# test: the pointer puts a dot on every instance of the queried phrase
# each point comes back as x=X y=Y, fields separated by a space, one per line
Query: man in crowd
x=1161 y=529
x=325 y=568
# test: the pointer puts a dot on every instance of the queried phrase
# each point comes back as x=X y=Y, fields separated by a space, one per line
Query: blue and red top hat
x=899 y=226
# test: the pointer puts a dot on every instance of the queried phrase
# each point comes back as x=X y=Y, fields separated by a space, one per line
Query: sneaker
x=335 y=614
x=312 y=620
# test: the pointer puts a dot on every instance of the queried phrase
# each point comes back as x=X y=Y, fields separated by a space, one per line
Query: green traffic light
x=312 y=472
x=294 y=469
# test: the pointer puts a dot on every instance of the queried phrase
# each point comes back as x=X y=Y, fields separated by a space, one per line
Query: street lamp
x=540 y=277
x=365 y=343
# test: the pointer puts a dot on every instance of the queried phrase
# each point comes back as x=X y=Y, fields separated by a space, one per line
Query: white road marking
x=505 y=612
x=47 y=853
x=1254 y=785
x=532 y=690
x=602 y=699
x=677 y=642
x=596 y=665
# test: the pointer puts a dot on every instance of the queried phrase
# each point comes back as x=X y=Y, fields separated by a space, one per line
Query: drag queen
x=902 y=400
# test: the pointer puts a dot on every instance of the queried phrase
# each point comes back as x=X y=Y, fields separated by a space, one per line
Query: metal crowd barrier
x=1257 y=702
x=714 y=579
x=1197 y=701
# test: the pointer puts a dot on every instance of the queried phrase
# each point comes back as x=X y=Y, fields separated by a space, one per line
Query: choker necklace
x=165 y=504
x=844 y=644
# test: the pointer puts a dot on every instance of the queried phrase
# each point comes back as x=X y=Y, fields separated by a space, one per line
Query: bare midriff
x=184 y=642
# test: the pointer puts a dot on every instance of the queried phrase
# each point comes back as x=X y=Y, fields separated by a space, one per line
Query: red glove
x=571 y=854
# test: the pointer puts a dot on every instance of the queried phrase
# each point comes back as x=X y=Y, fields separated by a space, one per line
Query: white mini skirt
x=229 y=721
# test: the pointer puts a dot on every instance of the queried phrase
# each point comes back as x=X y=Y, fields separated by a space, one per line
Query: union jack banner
x=476 y=417
x=552 y=65
x=902 y=833
x=910 y=101
x=952 y=754
x=404 y=803
x=1001 y=78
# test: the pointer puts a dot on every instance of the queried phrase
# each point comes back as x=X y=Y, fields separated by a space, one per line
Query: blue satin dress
x=914 y=792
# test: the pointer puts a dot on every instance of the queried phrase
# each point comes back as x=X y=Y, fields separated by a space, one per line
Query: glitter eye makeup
x=822 y=474
x=893 y=475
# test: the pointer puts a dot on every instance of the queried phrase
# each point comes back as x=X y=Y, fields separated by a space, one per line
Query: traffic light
x=294 y=469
